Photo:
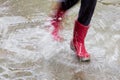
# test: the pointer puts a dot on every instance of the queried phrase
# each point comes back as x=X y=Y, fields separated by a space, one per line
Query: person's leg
x=67 y=4
x=62 y=7
x=81 y=28
x=86 y=11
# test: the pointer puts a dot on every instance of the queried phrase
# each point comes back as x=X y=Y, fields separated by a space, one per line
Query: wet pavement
x=28 y=52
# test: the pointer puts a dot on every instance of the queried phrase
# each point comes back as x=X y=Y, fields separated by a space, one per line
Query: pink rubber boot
x=57 y=18
x=77 y=44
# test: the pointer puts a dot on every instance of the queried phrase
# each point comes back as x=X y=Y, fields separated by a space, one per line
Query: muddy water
x=27 y=51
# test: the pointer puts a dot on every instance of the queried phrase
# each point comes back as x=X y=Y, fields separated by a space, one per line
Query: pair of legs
x=85 y=12
x=81 y=24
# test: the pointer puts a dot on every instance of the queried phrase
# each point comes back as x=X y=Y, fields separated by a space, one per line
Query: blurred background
x=28 y=52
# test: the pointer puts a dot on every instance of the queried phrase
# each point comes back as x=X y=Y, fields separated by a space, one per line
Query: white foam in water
x=3 y=30
x=8 y=20
x=116 y=26
x=28 y=51
x=5 y=23
x=37 y=39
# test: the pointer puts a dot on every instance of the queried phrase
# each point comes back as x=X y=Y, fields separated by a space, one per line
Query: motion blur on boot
x=56 y=23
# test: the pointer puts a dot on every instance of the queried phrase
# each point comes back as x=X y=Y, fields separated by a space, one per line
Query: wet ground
x=28 y=52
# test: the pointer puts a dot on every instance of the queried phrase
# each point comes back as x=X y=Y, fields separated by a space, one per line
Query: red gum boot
x=77 y=44
x=57 y=18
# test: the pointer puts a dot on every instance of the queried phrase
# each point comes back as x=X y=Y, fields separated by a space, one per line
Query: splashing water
x=28 y=52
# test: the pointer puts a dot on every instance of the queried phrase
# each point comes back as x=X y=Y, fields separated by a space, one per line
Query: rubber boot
x=57 y=18
x=77 y=43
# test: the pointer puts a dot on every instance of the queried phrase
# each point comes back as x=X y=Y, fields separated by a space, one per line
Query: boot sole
x=81 y=59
